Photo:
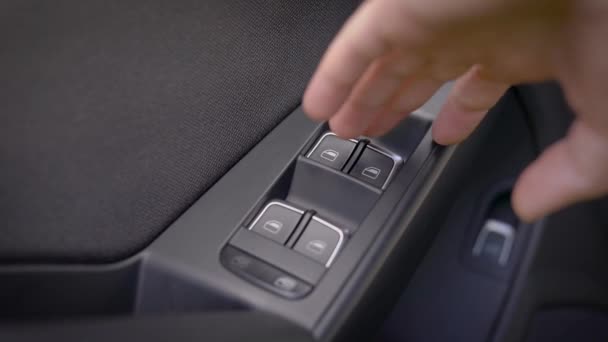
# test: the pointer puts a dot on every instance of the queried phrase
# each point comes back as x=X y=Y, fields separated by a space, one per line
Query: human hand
x=392 y=55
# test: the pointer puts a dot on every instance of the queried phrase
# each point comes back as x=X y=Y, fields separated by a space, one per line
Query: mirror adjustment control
x=277 y=221
x=373 y=167
x=320 y=241
x=332 y=151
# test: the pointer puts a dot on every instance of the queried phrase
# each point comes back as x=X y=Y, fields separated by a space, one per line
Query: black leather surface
x=116 y=115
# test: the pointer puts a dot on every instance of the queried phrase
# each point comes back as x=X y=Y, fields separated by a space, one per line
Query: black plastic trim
x=278 y=255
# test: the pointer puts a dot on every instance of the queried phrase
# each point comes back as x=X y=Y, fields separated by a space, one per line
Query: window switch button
x=277 y=221
x=320 y=241
x=494 y=242
x=373 y=167
x=332 y=151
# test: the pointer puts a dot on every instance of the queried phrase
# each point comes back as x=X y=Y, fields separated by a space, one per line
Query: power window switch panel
x=332 y=151
x=373 y=167
x=277 y=221
x=320 y=241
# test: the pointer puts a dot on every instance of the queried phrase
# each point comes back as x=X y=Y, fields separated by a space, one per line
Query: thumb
x=572 y=170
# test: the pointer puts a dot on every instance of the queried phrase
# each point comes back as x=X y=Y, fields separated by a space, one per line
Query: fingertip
x=443 y=135
x=312 y=112
x=317 y=104
x=343 y=129
x=467 y=104
x=376 y=132
x=414 y=91
x=555 y=180
x=524 y=210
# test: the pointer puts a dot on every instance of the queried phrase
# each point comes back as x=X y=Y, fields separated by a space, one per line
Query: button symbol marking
x=273 y=226
x=330 y=155
x=286 y=283
x=371 y=172
x=316 y=246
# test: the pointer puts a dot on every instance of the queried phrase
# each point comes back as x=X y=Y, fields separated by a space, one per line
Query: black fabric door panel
x=116 y=115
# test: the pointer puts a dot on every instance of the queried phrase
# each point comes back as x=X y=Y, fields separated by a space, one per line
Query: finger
x=348 y=57
x=371 y=95
x=468 y=102
x=413 y=94
x=572 y=170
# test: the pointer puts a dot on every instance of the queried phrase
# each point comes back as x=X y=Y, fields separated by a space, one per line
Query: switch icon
x=373 y=167
x=277 y=221
x=332 y=151
x=273 y=226
x=330 y=155
x=320 y=241
x=316 y=246
x=371 y=172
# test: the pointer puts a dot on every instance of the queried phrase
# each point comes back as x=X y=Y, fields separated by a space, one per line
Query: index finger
x=357 y=45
